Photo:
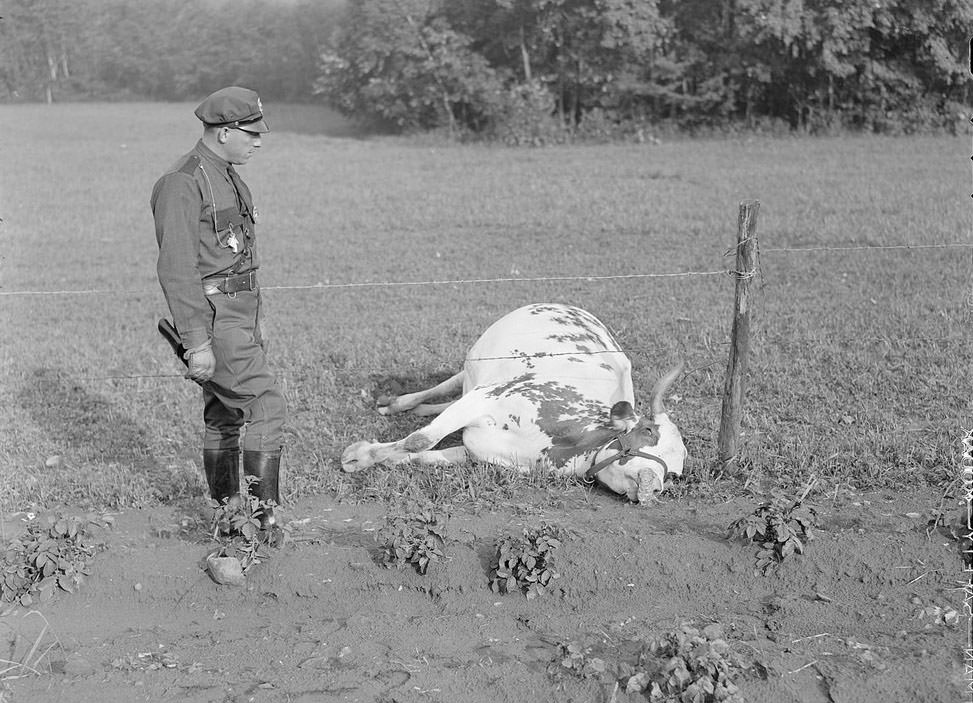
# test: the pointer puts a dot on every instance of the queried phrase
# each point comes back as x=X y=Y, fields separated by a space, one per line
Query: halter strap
x=622 y=453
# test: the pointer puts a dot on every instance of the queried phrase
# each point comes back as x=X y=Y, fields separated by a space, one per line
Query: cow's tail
x=661 y=386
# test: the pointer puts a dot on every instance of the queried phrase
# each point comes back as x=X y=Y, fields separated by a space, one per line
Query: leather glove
x=202 y=363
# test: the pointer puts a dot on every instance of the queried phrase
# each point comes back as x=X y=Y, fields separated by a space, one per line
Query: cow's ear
x=623 y=416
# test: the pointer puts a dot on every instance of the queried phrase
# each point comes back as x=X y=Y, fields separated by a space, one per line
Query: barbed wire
x=628 y=351
x=538 y=279
x=394 y=284
x=377 y=284
x=535 y=279
x=859 y=247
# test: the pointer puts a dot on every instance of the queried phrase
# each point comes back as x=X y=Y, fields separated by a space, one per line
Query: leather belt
x=230 y=284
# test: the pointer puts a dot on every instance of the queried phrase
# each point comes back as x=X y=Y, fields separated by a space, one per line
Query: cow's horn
x=661 y=386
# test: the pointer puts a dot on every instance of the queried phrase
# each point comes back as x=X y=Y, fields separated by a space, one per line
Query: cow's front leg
x=363 y=455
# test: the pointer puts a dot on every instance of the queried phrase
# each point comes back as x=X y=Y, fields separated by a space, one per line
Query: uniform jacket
x=204 y=225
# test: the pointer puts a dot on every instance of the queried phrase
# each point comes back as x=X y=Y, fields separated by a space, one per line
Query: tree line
x=515 y=69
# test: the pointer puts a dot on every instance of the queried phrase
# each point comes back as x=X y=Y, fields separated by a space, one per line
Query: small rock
x=914 y=516
x=76 y=665
x=53 y=461
x=225 y=570
x=138 y=587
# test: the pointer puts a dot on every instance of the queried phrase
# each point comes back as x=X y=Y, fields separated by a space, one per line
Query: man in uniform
x=205 y=227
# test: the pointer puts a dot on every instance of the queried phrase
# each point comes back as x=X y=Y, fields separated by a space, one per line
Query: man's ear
x=221 y=135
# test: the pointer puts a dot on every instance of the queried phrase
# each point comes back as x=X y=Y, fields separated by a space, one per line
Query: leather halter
x=627 y=449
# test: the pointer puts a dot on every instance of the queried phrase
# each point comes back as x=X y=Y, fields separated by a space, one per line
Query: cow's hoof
x=386 y=404
x=355 y=458
x=383 y=400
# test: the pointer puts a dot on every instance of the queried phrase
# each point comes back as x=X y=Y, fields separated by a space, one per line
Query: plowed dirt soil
x=872 y=612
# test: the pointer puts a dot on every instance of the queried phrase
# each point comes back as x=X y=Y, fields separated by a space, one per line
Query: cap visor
x=257 y=127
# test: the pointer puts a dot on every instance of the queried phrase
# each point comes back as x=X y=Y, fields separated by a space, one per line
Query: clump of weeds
x=687 y=665
x=413 y=536
x=526 y=563
x=53 y=553
x=782 y=526
x=577 y=659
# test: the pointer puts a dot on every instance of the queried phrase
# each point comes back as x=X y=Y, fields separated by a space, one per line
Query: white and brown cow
x=546 y=385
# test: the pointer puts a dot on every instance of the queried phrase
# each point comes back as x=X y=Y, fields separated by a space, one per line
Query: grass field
x=859 y=369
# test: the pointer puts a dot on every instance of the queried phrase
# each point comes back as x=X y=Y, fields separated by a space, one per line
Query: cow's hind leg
x=466 y=411
x=416 y=402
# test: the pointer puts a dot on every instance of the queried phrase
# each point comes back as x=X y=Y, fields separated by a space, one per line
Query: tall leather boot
x=266 y=467
x=222 y=467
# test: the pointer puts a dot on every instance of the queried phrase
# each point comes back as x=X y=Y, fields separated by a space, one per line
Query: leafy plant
x=781 y=525
x=236 y=527
x=416 y=537
x=527 y=563
x=687 y=665
x=53 y=553
x=578 y=660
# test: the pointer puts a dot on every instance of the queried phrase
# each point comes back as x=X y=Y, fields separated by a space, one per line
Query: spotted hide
x=546 y=385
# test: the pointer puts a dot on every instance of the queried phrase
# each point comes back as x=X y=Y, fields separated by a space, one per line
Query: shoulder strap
x=192 y=163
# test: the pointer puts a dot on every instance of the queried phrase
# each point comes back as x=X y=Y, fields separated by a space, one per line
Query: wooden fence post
x=736 y=367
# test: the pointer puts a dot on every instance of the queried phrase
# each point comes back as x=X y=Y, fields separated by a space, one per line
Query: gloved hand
x=202 y=362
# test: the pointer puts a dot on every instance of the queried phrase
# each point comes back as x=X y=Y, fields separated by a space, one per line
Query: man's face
x=240 y=145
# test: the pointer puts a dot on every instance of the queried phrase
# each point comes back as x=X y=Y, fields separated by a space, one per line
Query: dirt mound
x=867 y=614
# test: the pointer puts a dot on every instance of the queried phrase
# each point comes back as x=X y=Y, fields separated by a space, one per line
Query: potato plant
x=527 y=563
x=782 y=526
x=688 y=664
x=52 y=554
x=416 y=537
x=236 y=528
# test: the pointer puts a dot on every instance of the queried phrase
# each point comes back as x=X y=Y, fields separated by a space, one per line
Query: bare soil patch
x=863 y=615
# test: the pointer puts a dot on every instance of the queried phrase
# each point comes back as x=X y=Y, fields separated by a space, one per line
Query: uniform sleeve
x=176 y=206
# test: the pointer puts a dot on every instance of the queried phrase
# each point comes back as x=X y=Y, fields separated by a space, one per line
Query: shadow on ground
x=92 y=434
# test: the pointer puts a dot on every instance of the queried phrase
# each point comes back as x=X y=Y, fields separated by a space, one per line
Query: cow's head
x=635 y=462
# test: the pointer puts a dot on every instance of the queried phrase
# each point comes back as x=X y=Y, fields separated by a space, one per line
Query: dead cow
x=546 y=385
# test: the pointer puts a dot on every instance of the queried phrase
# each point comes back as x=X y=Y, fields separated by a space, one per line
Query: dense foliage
x=160 y=50
x=52 y=554
x=517 y=68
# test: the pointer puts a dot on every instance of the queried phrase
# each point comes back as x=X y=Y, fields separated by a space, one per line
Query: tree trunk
x=576 y=95
x=524 y=56
x=447 y=108
x=51 y=74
